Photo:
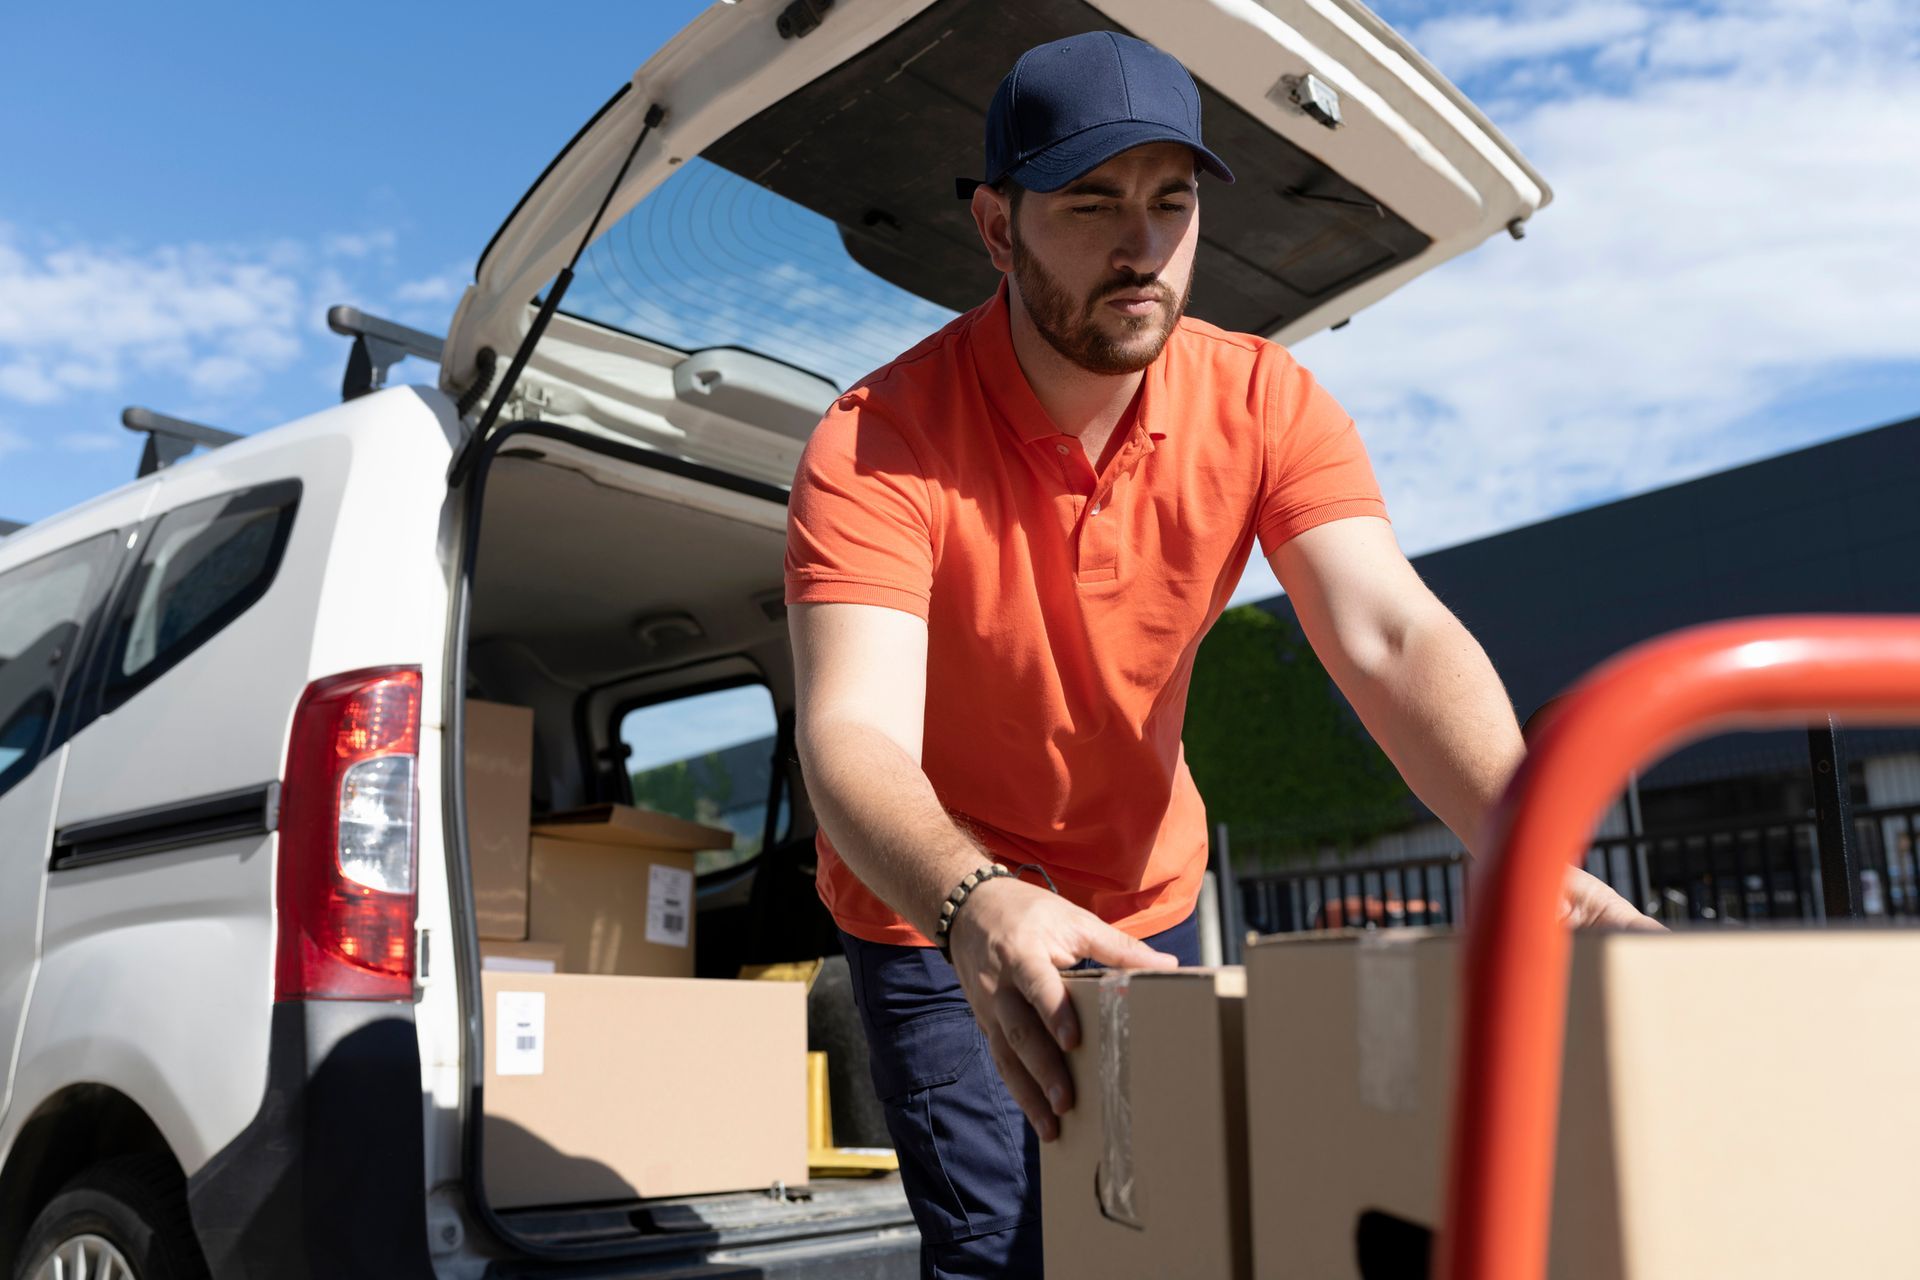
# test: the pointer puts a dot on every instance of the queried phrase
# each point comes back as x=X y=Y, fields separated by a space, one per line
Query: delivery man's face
x=1104 y=265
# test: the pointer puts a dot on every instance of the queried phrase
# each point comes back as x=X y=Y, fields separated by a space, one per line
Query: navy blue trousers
x=968 y=1157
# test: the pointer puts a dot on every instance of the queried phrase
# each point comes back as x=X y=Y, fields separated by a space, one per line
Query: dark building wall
x=1830 y=529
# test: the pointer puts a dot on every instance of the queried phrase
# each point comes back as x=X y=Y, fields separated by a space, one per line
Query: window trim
x=73 y=686
x=112 y=691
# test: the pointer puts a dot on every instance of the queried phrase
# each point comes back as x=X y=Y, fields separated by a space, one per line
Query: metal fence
x=1710 y=874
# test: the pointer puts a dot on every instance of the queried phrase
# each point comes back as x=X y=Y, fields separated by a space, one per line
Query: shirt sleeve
x=860 y=517
x=1316 y=467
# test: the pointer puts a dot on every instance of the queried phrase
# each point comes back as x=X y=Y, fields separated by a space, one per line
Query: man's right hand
x=1009 y=943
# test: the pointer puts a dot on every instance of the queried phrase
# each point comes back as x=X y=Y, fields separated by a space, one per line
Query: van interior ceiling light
x=666 y=630
x=463 y=459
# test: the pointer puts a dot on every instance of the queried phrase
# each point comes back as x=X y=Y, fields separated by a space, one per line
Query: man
x=1003 y=551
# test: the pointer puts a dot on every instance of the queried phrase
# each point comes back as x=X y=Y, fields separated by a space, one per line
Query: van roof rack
x=11 y=526
x=378 y=345
x=170 y=439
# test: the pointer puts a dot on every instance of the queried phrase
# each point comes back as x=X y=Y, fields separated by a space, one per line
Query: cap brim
x=1075 y=157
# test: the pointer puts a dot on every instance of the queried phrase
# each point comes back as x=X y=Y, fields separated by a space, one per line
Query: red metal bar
x=1753 y=674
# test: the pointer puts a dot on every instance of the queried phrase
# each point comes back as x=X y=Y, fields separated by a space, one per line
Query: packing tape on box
x=1387 y=1023
x=1114 y=1181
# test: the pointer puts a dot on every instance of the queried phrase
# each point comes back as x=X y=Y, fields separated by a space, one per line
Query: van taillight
x=349 y=839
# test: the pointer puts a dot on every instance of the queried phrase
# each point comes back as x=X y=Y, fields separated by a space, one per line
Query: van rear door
x=795 y=204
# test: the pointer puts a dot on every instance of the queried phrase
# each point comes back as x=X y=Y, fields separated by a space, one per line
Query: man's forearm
x=1438 y=709
x=885 y=821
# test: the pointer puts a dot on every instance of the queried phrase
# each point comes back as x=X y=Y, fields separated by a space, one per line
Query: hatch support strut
x=469 y=447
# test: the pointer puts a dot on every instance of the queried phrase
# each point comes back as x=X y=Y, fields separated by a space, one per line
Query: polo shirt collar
x=1012 y=395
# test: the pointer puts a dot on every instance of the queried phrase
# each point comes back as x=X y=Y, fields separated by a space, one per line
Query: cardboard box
x=499 y=782
x=614 y=908
x=521 y=957
x=1148 y=1176
x=624 y=824
x=608 y=1088
x=1733 y=1103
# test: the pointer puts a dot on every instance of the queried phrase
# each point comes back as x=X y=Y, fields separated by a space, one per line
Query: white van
x=241 y=1031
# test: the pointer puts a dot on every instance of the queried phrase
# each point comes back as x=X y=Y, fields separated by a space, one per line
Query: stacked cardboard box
x=1732 y=1104
x=614 y=1088
x=611 y=1072
x=499 y=789
x=1148 y=1176
x=613 y=885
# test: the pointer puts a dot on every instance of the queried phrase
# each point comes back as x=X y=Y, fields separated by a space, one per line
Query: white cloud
x=77 y=317
x=1727 y=231
x=222 y=373
x=1469 y=43
x=12 y=442
x=95 y=441
x=445 y=287
x=360 y=245
x=25 y=380
x=221 y=321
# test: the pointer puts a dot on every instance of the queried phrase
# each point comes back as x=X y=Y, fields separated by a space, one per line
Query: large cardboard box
x=499 y=760
x=1732 y=1105
x=608 y=1088
x=613 y=908
x=1148 y=1175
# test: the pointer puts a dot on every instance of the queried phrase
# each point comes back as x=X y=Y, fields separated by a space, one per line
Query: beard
x=1072 y=327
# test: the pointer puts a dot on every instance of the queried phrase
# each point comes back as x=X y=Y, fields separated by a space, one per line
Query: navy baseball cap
x=1070 y=106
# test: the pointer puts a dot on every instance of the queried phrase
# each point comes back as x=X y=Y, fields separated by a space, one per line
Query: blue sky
x=1728 y=270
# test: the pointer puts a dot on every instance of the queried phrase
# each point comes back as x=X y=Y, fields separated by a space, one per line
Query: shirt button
x=1096 y=509
x=1062 y=448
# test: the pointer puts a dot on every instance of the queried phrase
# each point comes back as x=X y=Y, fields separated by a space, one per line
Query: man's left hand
x=1589 y=902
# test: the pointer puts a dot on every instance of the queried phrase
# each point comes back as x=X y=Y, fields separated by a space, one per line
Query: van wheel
x=124 y=1219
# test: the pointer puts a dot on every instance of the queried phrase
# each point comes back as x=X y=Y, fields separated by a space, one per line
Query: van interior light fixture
x=1309 y=95
x=661 y=631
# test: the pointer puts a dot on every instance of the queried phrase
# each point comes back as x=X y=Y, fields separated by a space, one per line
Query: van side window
x=204 y=565
x=707 y=758
x=43 y=607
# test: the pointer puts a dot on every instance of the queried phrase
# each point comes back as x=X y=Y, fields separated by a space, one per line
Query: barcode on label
x=522 y=1030
x=669 y=899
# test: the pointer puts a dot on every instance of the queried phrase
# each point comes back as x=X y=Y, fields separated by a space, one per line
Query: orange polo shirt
x=1063 y=606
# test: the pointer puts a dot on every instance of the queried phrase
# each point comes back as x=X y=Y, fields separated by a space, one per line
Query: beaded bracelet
x=973 y=880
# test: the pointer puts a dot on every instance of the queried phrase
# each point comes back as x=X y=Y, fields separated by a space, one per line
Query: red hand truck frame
x=1756 y=673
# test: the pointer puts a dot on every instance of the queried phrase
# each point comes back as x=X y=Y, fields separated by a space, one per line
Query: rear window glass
x=204 y=565
x=707 y=758
x=710 y=259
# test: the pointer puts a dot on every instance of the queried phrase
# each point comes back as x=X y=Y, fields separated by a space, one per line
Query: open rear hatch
x=794 y=207
x=788 y=222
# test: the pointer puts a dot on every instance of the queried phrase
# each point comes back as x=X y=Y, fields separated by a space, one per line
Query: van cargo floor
x=830 y=1205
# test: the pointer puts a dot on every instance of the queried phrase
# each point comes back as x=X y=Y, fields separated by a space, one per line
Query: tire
x=133 y=1206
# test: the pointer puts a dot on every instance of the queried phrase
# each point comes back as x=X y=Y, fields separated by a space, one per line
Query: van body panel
x=156 y=979
x=27 y=808
x=26 y=833
x=323 y=1182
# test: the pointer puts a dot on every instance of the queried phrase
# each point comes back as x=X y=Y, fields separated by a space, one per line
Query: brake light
x=349 y=839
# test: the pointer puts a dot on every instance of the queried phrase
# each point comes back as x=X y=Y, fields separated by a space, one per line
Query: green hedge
x=1274 y=750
